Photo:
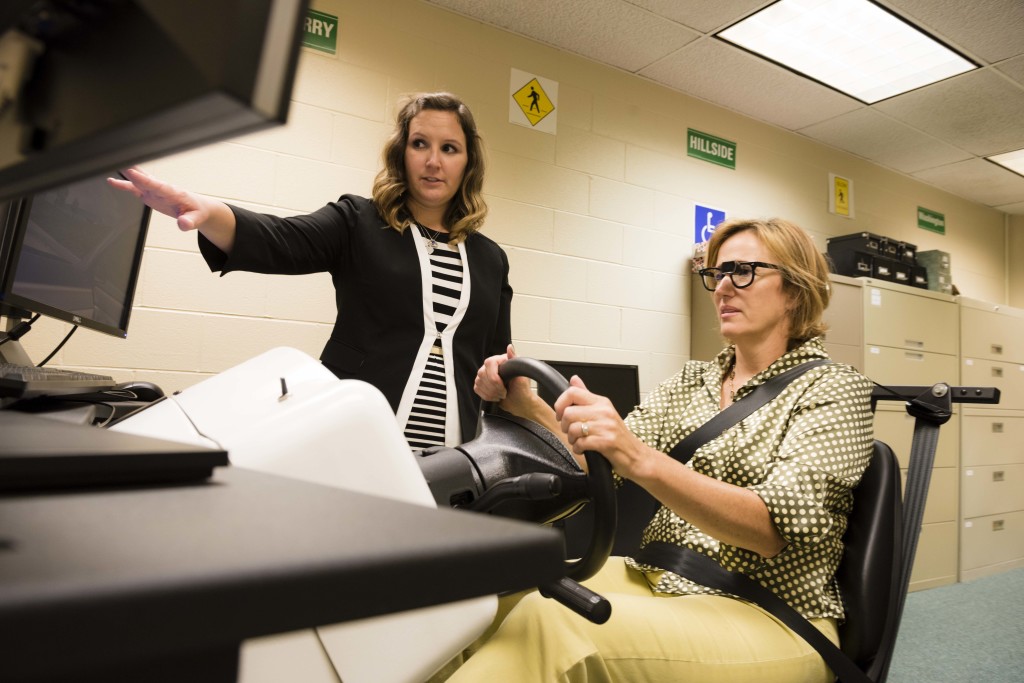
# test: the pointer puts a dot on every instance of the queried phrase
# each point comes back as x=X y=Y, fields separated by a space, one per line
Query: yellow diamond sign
x=533 y=101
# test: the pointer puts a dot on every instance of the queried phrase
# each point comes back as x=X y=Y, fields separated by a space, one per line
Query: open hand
x=189 y=209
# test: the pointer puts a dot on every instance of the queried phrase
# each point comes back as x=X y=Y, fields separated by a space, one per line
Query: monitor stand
x=12 y=351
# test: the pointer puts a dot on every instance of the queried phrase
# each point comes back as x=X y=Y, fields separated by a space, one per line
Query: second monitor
x=620 y=383
x=75 y=255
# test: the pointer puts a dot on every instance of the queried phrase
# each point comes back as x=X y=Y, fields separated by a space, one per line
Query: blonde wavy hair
x=466 y=210
x=804 y=270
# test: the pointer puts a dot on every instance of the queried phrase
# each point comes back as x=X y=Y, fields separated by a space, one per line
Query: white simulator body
x=284 y=413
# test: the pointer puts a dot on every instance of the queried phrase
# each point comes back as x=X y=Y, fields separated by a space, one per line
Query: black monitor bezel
x=9 y=299
x=246 y=89
x=9 y=212
x=569 y=368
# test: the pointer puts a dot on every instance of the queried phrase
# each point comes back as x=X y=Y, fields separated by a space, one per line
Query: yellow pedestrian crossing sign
x=840 y=201
x=533 y=101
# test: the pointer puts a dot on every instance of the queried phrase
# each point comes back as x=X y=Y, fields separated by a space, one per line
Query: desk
x=163 y=583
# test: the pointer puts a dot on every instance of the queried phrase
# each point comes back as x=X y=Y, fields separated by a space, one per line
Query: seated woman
x=769 y=497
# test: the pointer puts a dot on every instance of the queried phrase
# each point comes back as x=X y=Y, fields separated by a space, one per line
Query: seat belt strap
x=740 y=409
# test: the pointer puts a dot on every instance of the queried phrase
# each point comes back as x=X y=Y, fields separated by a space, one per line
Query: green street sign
x=931 y=220
x=320 y=32
x=710 y=148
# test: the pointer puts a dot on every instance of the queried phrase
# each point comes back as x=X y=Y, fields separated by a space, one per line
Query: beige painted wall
x=1015 y=262
x=597 y=220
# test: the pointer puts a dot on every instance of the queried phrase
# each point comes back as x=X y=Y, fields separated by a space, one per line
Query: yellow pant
x=648 y=639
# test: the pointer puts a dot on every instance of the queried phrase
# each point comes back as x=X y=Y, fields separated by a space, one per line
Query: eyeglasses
x=740 y=272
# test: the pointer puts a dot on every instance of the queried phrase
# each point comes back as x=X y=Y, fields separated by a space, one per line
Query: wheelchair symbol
x=709 y=226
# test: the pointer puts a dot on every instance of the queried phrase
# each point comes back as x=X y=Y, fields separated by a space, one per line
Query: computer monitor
x=90 y=86
x=75 y=255
x=620 y=383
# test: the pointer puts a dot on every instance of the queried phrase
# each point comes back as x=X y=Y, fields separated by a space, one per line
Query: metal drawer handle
x=998 y=525
x=997 y=372
x=997 y=427
x=998 y=475
x=915 y=343
x=913 y=356
x=997 y=349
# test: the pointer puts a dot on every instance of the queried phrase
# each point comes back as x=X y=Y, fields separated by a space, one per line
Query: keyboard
x=27 y=381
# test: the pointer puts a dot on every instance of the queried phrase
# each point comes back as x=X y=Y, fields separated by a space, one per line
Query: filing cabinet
x=992 y=440
x=912 y=337
x=844 y=316
x=705 y=341
x=936 y=560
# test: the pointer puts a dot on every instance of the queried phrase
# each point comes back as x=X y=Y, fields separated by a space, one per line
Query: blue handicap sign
x=705 y=220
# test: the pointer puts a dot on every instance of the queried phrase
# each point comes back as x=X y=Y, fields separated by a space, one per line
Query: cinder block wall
x=597 y=219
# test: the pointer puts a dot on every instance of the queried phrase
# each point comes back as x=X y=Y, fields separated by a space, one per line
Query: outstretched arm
x=210 y=216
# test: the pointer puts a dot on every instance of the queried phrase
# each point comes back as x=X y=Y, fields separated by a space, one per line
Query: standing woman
x=422 y=297
x=768 y=497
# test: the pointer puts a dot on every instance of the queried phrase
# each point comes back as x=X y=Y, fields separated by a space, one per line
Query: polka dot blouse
x=802 y=453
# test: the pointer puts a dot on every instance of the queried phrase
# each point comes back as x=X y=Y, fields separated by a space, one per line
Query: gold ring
x=585 y=428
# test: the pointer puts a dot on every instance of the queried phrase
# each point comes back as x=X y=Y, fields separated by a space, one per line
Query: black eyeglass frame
x=729 y=268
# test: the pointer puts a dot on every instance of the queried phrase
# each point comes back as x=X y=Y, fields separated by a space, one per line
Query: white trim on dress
x=452 y=426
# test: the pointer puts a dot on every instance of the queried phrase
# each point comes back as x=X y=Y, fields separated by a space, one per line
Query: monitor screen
x=620 y=383
x=90 y=86
x=75 y=255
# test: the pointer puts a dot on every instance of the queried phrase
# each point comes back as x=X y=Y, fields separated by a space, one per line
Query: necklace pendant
x=431 y=245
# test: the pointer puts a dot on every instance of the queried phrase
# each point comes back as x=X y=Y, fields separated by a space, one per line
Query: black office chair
x=869 y=575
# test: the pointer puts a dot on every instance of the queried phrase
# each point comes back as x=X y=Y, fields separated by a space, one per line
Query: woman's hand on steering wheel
x=516 y=397
x=592 y=423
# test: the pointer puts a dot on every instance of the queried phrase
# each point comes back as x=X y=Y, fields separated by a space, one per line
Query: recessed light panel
x=1011 y=160
x=854 y=46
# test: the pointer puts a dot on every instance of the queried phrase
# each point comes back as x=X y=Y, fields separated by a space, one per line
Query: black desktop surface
x=42 y=453
x=122 y=584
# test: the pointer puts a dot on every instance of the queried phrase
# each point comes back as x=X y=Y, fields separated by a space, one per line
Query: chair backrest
x=869 y=575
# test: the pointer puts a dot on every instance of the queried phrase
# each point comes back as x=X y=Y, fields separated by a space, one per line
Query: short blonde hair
x=467 y=209
x=804 y=269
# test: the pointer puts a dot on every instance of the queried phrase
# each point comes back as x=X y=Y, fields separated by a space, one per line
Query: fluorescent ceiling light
x=854 y=46
x=1011 y=160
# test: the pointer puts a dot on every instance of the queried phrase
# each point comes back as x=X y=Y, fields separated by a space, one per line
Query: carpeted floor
x=963 y=633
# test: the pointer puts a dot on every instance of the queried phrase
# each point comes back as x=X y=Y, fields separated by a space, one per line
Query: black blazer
x=378 y=289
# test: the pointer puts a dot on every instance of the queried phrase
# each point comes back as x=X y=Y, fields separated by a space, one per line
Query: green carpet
x=963 y=633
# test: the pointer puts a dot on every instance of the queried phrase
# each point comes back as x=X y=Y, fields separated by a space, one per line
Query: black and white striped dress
x=426 y=424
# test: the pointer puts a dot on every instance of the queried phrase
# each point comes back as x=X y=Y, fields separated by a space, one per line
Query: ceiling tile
x=990 y=30
x=875 y=136
x=703 y=15
x=1017 y=208
x=977 y=179
x=608 y=31
x=981 y=111
x=1014 y=68
x=712 y=70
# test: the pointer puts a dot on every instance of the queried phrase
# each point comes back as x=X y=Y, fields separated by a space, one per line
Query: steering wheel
x=600 y=484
